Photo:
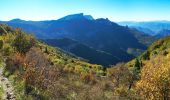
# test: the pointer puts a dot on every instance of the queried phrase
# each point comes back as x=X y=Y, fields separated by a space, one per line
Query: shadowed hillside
x=100 y=34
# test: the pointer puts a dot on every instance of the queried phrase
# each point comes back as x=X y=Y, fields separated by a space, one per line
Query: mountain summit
x=77 y=16
x=16 y=20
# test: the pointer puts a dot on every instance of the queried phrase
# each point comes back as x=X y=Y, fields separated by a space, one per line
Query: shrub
x=23 y=42
x=155 y=79
x=1 y=44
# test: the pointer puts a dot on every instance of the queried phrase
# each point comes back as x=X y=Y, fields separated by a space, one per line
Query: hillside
x=40 y=72
x=37 y=71
x=84 y=51
x=100 y=34
x=160 y=47
x=27 y=59
x=152 y=68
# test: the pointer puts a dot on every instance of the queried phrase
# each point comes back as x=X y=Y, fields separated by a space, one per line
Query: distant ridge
x=101 y=34
x=153 y=28
x=16 y=20
x=77 y=16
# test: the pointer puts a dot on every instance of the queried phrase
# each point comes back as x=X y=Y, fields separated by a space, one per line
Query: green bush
x=7 y=49
x=23 y=42
x=1 y=44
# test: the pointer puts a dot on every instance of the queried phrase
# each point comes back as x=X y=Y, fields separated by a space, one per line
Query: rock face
x=7 y=86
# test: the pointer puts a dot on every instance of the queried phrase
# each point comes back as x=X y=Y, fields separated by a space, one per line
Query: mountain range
x=97 y=36
x=153 y=28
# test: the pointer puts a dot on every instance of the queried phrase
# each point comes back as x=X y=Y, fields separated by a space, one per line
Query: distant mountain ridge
x=163 y=33
x=100 y=34
x=151 y=27
x=77 y=16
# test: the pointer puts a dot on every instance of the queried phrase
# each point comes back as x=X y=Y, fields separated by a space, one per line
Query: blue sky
x=115 y=10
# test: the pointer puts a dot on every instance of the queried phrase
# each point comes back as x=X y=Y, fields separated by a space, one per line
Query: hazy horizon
x=86 y=14
x=115 y=10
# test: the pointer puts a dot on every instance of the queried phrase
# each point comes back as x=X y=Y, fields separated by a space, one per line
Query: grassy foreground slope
x=41 y=72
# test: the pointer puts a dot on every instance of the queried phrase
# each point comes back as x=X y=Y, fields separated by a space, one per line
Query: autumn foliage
x=155 y=79
x=42 y=72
